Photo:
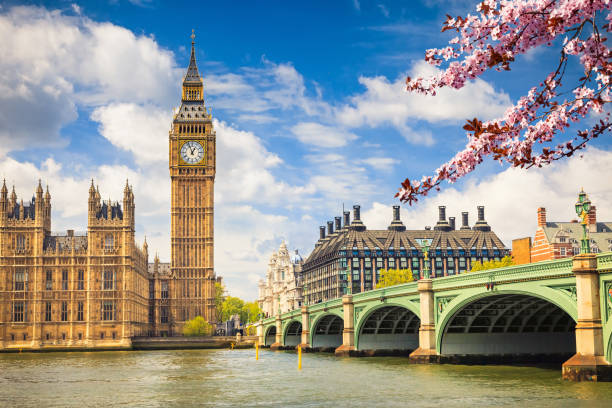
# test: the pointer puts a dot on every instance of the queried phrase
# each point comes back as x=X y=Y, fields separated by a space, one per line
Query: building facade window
x=164 y=314
x=164 y=289
x=20 y=279
x=20 y=243
x=49 y=280
x=108 y=310
x=64 y=279
x=48 y=312
x=64 y=312
x=19 y=311
x=108 y=280
x=81 y=280
x=80 y=312
x=109 y=242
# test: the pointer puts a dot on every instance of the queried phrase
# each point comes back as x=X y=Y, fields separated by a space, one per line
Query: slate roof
x=65 y=242
x=573 y=231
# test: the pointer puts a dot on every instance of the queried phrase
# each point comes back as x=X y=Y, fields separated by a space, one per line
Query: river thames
x=225 y=378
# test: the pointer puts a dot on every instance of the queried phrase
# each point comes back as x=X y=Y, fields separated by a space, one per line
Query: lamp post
x=425 y=250
x=583 y=206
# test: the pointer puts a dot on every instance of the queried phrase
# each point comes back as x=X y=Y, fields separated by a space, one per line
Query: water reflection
x=223 y=378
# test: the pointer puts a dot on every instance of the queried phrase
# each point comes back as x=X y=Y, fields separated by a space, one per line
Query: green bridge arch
x=371 y=308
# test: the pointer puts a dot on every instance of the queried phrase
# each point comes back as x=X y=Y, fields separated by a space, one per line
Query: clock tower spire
x=192 y=173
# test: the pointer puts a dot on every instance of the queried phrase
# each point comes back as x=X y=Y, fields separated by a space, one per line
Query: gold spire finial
x=192 y=35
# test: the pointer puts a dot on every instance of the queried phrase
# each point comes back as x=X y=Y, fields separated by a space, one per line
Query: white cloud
x=138 y=129
x=381 y=163
x=388 y=103
x=318 y=135
x=511 y=198
x=384 y=10
x=51 y=62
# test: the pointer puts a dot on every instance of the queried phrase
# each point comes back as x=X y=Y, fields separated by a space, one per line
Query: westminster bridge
x=546 y=310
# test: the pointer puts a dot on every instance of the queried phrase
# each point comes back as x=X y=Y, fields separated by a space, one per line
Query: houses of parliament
x=97 y=289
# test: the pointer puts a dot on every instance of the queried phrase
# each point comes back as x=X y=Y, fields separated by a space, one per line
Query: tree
x=219 y=295
x=493 y=264
x=492 y=39
x=250 y=312
x=197 y=327
x=391 y=277
x=230 y=306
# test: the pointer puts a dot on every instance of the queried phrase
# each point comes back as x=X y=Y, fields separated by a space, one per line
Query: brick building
x=555 y=240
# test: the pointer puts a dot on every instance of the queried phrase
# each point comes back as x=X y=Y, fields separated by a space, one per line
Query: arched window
x=109 y=242
x=20 y=243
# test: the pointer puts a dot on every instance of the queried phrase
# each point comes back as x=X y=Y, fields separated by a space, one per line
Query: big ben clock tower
x=192 y=171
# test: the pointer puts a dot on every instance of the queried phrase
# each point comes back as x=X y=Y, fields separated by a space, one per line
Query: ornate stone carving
x=441 y=303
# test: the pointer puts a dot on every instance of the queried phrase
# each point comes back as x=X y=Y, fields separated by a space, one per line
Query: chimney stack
x=441 y=213
x=451 y=221
x=356 y=213
x=541 y=217
x=357 y=224
x=442 y=224
x=321 y=232
x=330 y=227
x=347 y=219
x=396 y=224
x=592 y=219
x=481 y=224
x=464 y=221
x=338 y=223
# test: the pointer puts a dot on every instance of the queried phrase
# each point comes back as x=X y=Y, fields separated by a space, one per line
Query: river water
x=233 y=378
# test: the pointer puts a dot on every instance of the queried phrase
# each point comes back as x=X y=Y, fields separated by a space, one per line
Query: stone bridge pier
x=589 y=362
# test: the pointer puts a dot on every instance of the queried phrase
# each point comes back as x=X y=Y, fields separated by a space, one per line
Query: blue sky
x=311 y=114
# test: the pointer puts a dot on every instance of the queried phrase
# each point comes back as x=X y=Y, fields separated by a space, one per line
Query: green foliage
x=480 y=266
x=219 y=296
x=392 y=277
x=250 y=312
x=230 y=306
x=197 y=327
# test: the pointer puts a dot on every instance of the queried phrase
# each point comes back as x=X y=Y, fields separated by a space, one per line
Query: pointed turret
x=13 y=197
x=39 y=189
x=4 y=192
x=192 y=75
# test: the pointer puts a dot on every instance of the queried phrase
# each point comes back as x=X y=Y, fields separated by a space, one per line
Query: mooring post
x=348 y=333
x=589 y=363
x=304 y=343
x=426 y=352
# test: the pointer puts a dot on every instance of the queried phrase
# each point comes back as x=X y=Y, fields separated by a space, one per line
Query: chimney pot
x=347 y=218
x=330 y=227
x=451 y=220
x=481 y=216
x=442 y=213
x=356 y=213
x=396 y=213
x=541 y=217
x=464 y=220
x=338 y=223
x=321 y=232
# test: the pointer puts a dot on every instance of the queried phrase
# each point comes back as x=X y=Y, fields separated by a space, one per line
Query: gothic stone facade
x=282 y=289
x=76 y=290
x=362 y=253
x=192 y=172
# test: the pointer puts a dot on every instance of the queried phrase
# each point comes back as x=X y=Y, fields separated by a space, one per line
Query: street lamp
x=425 y=250
x=583 y=206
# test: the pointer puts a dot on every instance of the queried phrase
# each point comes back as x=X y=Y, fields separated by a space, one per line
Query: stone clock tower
x=192 y=170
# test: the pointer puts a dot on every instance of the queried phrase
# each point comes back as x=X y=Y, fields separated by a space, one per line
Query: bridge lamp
x=583 y=206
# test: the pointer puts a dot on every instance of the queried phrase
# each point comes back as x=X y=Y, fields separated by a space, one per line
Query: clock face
x=192 y=152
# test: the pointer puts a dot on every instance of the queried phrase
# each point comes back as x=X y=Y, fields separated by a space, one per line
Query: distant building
x=282 y=288
x=352 y=248
x=72 y=289
x=555 y=240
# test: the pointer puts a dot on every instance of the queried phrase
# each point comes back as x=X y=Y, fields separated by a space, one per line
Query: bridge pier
x=426 y=352
x=589 y=363
x=278 y=343
x=348 y=333
x=304 y=343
